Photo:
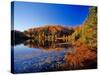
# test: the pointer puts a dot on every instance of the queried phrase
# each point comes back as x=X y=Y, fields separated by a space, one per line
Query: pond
x=34 y=56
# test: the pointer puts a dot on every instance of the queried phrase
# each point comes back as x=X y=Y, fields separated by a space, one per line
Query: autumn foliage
x=82 y=38
x=82 y=57
x=85 y=46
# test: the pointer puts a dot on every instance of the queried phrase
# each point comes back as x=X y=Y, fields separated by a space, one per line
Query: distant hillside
x=54 y=30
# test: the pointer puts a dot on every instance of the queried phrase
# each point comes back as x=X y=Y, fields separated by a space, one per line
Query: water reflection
x=46 y=45
x=40 y=56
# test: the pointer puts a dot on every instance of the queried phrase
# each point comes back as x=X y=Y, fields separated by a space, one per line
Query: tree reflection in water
x=46 y=45
x=52 y=56
x=49 y=57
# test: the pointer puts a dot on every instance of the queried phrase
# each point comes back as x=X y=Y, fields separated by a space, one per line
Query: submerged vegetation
x=82 y=38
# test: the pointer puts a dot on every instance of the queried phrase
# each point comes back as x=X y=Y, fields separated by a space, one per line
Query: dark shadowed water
x=33 y=56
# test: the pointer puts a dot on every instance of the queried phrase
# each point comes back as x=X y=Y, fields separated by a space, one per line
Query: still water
x=39 y=57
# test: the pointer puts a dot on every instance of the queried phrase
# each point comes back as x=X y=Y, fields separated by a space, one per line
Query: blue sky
x=27 y=15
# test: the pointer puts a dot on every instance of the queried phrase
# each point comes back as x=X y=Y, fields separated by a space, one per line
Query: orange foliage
x=81 y=55
x=90 y=30
x=77 y=43
x=73 y=60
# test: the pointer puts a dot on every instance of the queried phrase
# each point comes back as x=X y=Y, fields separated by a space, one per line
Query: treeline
x=50 y=33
